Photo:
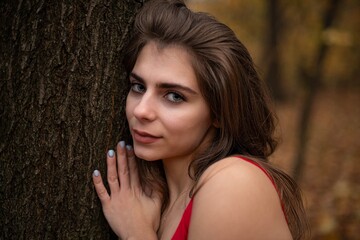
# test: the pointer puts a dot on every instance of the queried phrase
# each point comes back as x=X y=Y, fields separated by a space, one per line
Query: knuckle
x=112 y=179
x=124 y=171
x=102 y=193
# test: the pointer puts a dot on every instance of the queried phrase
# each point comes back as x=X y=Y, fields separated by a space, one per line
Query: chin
x=145 y=157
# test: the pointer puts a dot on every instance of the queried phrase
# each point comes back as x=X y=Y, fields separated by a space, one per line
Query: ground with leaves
x=331 y=179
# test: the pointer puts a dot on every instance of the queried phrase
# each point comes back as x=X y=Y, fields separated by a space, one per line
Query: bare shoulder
x=234 y=172
x=230 y=164
x=235 y=199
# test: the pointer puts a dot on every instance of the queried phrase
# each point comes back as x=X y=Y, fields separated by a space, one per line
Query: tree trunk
x=272 y=51
x=62 y=92
x=313 y=80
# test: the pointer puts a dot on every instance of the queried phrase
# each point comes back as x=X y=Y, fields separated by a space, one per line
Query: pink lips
x=144 y=137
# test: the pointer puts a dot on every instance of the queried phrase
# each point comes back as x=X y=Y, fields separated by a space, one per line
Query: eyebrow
x=165 y=85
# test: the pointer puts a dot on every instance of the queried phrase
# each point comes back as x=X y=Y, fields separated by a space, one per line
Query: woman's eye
x=175 y=97
x=137 y=87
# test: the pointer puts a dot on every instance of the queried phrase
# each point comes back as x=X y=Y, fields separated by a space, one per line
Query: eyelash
x=178 y=95
x=135 y=85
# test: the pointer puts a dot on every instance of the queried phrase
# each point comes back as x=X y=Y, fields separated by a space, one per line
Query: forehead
x=165 y=63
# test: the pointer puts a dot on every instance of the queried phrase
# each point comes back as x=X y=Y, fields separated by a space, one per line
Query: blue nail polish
x=111 y=153
x=122 y=144
x=96 y=173
x=128 y=147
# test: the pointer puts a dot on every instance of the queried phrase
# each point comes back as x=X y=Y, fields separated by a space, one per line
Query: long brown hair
x=232 y=89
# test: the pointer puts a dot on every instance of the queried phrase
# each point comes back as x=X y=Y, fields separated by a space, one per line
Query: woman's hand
x=130 y=212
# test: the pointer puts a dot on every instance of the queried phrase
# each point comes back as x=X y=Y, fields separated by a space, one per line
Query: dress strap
x=182 y=230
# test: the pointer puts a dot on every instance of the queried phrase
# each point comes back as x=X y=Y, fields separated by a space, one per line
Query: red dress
x=181 y=232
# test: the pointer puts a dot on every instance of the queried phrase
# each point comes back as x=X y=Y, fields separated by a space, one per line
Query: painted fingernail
x=96 y=173
x=111 y=153
x=128 y=147
x=122 y=144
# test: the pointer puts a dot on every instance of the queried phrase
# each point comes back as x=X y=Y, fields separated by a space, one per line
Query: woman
x=202 y=132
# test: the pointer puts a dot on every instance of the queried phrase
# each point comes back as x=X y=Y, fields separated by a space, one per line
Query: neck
x=178 y=179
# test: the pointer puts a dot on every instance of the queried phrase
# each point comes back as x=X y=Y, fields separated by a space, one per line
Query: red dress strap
x=182 y=230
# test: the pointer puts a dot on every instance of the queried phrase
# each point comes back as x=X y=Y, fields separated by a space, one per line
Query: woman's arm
x=130 y=212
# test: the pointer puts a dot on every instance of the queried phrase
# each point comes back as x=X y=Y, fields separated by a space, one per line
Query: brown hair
x=231 y=87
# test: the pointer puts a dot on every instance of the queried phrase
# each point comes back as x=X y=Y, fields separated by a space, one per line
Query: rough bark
x=62 y=94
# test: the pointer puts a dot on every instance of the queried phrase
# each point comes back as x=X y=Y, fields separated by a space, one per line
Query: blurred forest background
x=309 y=54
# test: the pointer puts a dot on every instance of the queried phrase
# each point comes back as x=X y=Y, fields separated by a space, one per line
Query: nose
x=144 y=109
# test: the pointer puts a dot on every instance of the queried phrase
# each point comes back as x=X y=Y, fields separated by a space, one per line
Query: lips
x=144 y=137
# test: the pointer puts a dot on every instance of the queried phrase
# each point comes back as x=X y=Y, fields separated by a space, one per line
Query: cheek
x=128 y=108
x=193 y=125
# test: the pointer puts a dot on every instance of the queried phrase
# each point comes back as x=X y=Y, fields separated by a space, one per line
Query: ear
x=216 y=123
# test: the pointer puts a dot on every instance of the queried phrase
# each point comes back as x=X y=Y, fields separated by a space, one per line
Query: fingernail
x=96 y=173
x=122 y=144
x=111 y=153
x=128 y=147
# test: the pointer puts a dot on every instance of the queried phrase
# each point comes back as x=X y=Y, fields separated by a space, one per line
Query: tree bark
x=62 y=92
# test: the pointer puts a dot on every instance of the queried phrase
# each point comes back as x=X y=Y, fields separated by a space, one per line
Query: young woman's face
x=168 y=117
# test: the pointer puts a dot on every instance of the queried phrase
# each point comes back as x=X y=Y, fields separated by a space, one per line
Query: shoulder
x=236 y=198
x=247 y=168
x=237 y=173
